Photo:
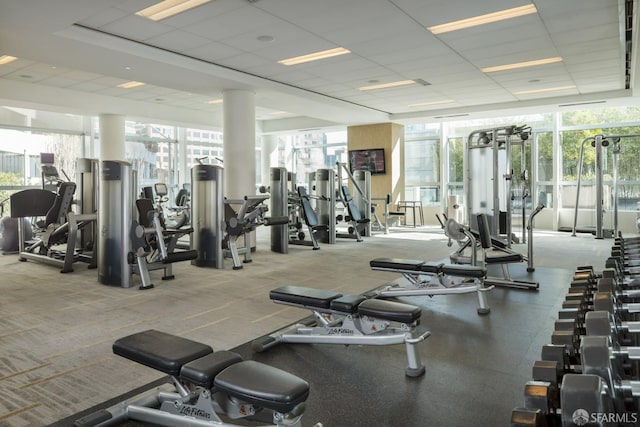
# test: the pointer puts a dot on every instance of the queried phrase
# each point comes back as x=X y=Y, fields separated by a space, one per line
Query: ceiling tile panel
x=58 y=81
x=213 y=51
x=89 y=86
x=178 y=41
x=233 y=23
x=103 y=18
x=135 y=27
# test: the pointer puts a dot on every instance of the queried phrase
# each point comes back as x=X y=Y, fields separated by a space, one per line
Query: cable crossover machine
x=600 y=143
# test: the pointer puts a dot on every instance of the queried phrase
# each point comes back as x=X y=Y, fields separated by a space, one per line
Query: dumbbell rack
x=589 y=373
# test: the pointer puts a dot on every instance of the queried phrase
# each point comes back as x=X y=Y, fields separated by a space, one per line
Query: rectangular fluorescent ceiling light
x=522 y=64
x=5 y=59
x=387 y=85
x=168 y=8
x=215 y=101
x=550 y=89
x=483 y=19
x=422 y=104
x=314 y=56
x=130 y=85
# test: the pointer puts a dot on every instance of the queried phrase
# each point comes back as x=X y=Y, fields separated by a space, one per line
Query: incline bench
x=432 y=278
x=205 y=384
x=349 y=319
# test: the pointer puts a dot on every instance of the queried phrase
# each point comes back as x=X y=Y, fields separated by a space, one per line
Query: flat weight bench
x=205 y=384
x=432 y=278
x=349 y=319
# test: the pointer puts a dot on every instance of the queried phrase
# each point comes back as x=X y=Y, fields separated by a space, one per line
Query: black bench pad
x=347 y=304
x=464 y=270
x=202 y=372
x=159 y=350
x=263 y=385
x=310 y=297
x=430 y=267
x=390 y=310
x=502 y=258
x=396 y=263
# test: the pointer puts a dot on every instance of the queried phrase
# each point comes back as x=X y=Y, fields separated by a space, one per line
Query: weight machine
x=600 y=142
x=488 y=160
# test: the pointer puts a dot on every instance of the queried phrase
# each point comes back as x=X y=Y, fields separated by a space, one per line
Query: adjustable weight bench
x=205 y=384
x=432 y=278
x=349 y=319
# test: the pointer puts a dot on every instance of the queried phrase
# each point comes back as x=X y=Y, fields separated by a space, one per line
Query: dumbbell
x=596 y=354
x=600 y=323
x=542 y=394
x=606 y=301
x=608 y=284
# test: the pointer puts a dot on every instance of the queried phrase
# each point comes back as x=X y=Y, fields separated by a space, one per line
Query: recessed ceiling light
x=522 y=64
x=168 y=8
x=422 y=104
x=5 y=59
x=550 y=89
x=265 y=38
x=127 y=67
x=215 y=101
x=314 y=56
x=483 y=19
x=388 y=85
x=130 y=85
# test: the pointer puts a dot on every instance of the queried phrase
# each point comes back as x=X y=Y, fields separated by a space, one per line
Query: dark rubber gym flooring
x=472 y=377
x=56 y=333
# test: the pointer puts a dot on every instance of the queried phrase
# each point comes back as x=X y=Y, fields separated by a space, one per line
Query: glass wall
x=434 y=154
x=20 y=151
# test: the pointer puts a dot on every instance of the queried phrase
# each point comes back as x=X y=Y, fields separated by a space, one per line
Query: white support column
x=112 y=137
x=269 y=156
x=239 y=112
x=184 y=174
x=557 y=170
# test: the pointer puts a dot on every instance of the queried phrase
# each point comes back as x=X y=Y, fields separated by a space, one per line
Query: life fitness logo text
x=581 y=417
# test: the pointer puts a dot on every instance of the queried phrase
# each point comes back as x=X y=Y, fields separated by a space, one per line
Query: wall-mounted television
x=369 y=160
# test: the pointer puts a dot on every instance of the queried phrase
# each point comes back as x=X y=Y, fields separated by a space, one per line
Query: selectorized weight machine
x=489 y=176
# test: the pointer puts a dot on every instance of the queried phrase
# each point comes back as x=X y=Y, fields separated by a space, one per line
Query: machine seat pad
x=502 y=258
x=390 y=310
x=430 y=267
x=263 y=385
x=347 y=304
x=159 y=350
x=396 y=264
x=464 y=270
x=202 y=372
x=300 y=295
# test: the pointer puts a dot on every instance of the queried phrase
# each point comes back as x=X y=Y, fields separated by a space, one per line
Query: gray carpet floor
x=56 y=330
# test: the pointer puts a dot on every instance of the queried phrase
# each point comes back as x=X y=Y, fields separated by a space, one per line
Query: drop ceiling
x=73 y=54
